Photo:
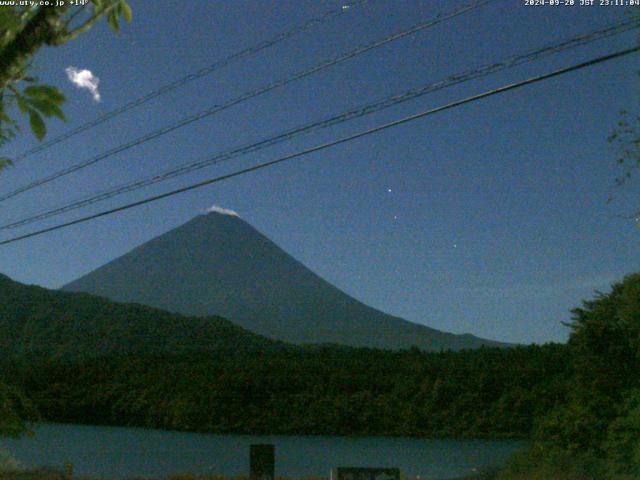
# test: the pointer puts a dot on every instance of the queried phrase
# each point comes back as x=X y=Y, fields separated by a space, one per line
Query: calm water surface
x=114 y=452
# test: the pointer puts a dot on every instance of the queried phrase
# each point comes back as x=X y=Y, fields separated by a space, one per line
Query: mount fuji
x=218 y=264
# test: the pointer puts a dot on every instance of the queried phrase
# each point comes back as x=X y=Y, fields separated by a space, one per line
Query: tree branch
x=38 y=31
x=97 y=15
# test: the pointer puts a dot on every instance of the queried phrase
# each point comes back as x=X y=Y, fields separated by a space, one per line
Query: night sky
x=490 y=219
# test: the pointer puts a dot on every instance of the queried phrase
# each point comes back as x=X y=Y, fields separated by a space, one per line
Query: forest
x=578 y=403
x=312 y=390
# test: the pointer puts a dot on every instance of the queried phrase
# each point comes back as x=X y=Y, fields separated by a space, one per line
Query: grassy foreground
x=489 y=474
x=46 y=473
x=52 y=474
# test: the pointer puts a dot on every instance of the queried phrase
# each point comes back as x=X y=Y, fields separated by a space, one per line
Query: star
x=389 y=190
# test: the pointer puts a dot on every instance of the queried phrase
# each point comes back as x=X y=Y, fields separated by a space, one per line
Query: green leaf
x=45 y=92
x=58 y=113
x=126 y=11
x=4 y=117
x=22 y=104
x=5 y=162
x=10 y=22
x=112 y=18
x=9 y=18
x=37 y=124
x=46 y=108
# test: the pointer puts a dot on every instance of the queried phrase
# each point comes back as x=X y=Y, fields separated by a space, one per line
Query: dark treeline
x=579 y=403
x=594 y=433
x=81 y=358
x=488 y=392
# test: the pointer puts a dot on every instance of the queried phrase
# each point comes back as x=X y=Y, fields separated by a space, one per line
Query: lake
x=114 y=452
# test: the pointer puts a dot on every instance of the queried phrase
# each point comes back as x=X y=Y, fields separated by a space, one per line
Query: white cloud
x=84 y=79
x=223 y=211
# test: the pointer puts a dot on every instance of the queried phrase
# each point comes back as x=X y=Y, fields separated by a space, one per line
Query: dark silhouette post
x=262 y=462
x=68 y=471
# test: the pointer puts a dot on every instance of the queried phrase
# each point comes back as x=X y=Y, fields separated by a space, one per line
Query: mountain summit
x=218 y=264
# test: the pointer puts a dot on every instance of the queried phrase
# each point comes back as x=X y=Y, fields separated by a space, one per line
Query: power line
x=324 y=146
x=246 y=96
x=169 y=87
x=358 y=112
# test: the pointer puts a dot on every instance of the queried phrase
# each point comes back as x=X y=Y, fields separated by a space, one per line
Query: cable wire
x=246 y=96
x=358 y=112
x=169 y=87
x=324 y=146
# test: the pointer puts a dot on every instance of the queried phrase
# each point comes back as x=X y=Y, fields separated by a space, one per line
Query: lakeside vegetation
x=595 y=432
x=84 y=359
x=578 y=403
x=487 y=393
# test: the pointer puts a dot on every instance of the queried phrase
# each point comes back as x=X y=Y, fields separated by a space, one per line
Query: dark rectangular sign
x=262 y=462
x=355 y=473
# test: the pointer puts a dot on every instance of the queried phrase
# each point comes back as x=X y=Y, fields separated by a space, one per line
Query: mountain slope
x=35 y=321
x=219 y=264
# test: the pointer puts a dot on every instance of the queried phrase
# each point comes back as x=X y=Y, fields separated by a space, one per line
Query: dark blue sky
x=490 y=219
